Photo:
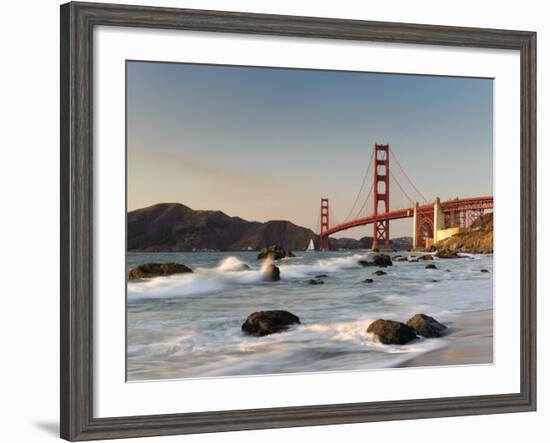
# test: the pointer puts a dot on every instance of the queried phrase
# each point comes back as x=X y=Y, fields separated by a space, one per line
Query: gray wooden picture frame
x=77 y=23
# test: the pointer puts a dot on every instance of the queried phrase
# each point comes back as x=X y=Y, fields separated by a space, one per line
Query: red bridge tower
x=381 y=237
x=323 y=239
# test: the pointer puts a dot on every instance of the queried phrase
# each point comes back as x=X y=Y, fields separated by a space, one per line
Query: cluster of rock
x=275 y=252
x=447 y=253
x=379 y=260
x=390 y=332
x=272 y=272
x=263 y=323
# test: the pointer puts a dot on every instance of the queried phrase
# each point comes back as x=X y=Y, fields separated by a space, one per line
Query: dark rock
x=375 y=250
x=268 y=322
x=431 y=266
x=391 y=332
x=368 y=280
x=321 y=276
x=426 y=257
x=435 y=281
x=401 y=259
x=379 y=272
x=426 y=326
x=414 y=260
x=272 y=273
x=484 y=270
x=148 y=270
x=447 y=270
x=446 y=253
x=316 y=282
x=365 y=263
x=382 y=260
x=275 y=252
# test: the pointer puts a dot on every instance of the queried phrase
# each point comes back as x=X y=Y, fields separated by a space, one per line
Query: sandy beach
x=470 y=340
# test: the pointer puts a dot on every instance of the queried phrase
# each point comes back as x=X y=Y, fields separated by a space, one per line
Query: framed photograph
x=272 y=221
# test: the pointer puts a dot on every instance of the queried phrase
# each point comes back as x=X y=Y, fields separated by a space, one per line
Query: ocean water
x=189 y=325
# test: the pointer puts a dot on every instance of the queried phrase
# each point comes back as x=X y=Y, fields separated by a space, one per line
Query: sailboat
x=311 y=246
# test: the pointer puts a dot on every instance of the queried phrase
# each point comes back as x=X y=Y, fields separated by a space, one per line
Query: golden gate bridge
x=432 y=221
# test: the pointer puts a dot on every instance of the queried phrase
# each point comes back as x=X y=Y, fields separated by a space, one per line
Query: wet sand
x=470 y=341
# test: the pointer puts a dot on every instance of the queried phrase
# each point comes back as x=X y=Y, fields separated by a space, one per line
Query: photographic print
x=284 y=220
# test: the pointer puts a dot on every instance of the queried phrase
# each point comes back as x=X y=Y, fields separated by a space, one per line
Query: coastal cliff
x=478 y=238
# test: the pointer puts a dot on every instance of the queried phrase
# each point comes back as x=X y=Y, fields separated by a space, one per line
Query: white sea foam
x=185 y=285
x=232 y=264
x=173 y=286
x=320 y=266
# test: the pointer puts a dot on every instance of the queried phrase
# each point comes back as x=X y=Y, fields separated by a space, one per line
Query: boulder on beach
x=446 y=253
x=321 y=276
x=391 y=332
x=368 y=280
x=379 y=272
x=268 y=322
x=431 y=266
x=149 y=270
x=271 y=272
x=313 y=281
x=275 y=252
x=426 y=326
x=484 y=270
x=382 y=260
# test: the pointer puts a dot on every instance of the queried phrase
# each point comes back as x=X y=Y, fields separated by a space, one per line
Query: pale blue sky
x=265 y=143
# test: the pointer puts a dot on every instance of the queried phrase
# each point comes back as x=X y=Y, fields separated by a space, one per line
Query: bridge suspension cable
x=358 y=215
x=361 y=188
x=407 y=177
x=401 y=187
x=333 y=220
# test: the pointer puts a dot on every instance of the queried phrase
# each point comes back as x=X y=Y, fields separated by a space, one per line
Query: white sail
x=311 y=246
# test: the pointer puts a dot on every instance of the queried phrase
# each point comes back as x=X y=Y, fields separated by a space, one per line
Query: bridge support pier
x=415 y=226
x=439 y=217
x=442 y=228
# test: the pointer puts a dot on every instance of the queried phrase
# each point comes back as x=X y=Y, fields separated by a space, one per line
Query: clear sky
x=267 y=144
